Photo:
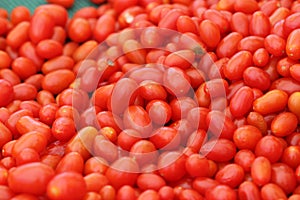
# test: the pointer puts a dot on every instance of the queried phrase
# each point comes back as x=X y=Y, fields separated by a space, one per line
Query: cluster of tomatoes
x=151 y=99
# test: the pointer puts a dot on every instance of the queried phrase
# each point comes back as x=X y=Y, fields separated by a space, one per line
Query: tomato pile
x=151 y=99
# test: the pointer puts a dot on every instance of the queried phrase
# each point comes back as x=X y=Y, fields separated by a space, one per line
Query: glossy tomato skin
x=248 y=190
x=7 y=92
x=246 y=137
x=292 y=44
x=23 y=178
x=208 y=29
x=220 y=150
x=67 y=185
x=122 y=172
x=241 y=102
x=261 y=171
x=231 y=175
x=171 y=166
x=283 y=176
x=272 y=151
x=272 y=191
x=270 y=102
x=219 y=191
x=237 y=64
x=41 y=27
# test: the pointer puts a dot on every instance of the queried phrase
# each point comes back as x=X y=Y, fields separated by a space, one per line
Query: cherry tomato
x=7 y=91
x=272 y=151
x=292 y=45
x=66 y=185
x=246 y=137
x=219 y=191
x=122 y=172
x=208 y=29
x=41 y=26
x=23 y=178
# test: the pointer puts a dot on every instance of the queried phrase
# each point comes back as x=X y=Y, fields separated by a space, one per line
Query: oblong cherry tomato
x=292 y=47
x=241 y=102
x=271 y=102
x=41 y=27
x=259 y=24
x=66 y=185
x=275 y=45
x=270 y=147
x=49 y=48
x=208 y=29
x=79 y=30
x=58 y=80
x=237 y=64
x=227 y=47
x=23 y=178
x=7 y=91
x=286 y=119
x=220 y=150
x=261 y=171
x=246 y=137
x=231 y=175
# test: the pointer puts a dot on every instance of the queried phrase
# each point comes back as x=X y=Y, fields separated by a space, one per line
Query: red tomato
x=244 y=158
x=49 y=49
x=286 y=119
x=64 y=3
x=6 y=135
x=182 y=59
x=58 y=13
x=150 y=181
x=171 y=165
x=123 y=172
x=179 y=87
x=63 y=128
x=197 y=166
x=136 y=117
x=66 y=164
x=227 y=47
x=241 y=102
x=246 y=137
x=231 y=175
x=165 y=138
x=251 y=43
x=126 y=192
x=30 y=178
x=272 y=191
x=66 y=185
x=219 y=191
x=259 y=24
x=58 y=80
x=160 y=112
x=275 y=45
x=295 y=71
x=284 y=176
x=270 y=147
x=240 y=23
x=104 y=27
x=261 y=171
x=208 y=30
x=237 y=65
x=79 y=30
x=7 y=91
x=292 y=47
x=219 y=150
x=41 y=26
x=248 y=190
x=18 y=35
x=104 y=148
x=213 y=121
